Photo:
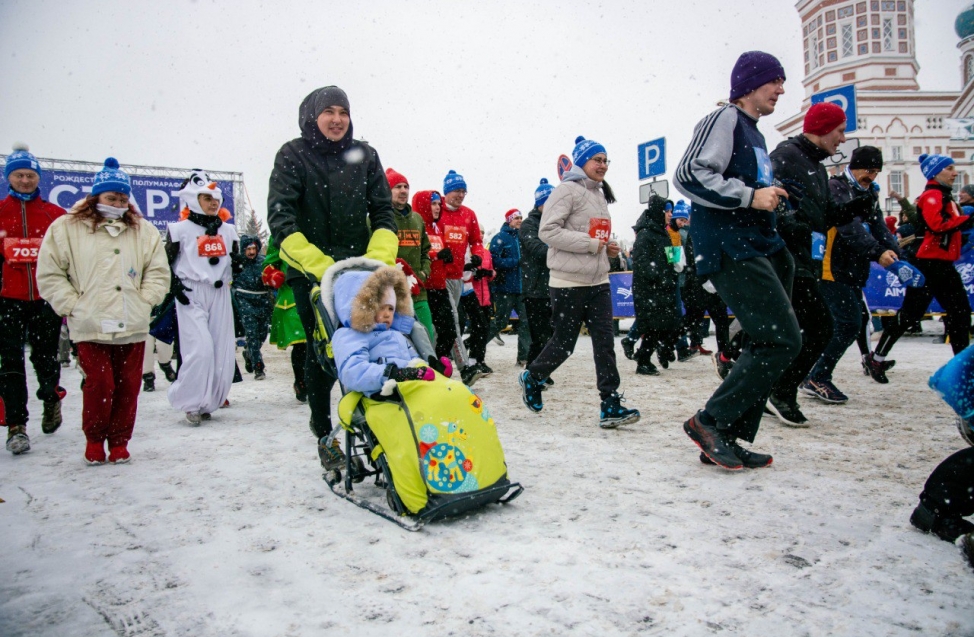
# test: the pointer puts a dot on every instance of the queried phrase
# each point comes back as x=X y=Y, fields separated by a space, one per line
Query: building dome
x=964 y=25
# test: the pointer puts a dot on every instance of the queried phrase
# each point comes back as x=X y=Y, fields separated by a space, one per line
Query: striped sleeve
x=699 y=175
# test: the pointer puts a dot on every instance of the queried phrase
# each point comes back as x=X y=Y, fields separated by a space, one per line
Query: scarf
x=208 y=223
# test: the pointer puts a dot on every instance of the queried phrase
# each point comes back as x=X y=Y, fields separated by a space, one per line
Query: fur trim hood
x=358 y=295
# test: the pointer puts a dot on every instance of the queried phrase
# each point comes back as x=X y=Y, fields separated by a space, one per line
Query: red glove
x=272 y=277
x=414 y=286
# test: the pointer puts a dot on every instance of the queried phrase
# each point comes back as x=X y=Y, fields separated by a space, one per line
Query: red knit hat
x=395 y=178
x=823 y=118
x=513 y=212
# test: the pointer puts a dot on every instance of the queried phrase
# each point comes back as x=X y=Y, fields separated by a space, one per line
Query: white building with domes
x=871 y=44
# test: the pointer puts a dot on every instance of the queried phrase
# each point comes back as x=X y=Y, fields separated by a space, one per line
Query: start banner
x=154 y=197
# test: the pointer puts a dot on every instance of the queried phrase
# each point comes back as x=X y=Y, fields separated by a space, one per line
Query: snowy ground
x=228 y=529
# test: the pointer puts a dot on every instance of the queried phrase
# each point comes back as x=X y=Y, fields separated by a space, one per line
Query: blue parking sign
x=652 y=158
x=845 y=98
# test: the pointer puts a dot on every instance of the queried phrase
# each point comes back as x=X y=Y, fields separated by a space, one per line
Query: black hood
x=308 y=122
x=248 y=240
x=654 y=216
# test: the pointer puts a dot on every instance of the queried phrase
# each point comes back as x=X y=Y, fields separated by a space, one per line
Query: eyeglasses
x=599 y=160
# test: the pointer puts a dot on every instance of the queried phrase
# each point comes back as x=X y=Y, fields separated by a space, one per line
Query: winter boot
x=712 y=442
x=946 y=528
x=168 y=371
x=613 y=414
x=95 y=453
x=149 y=382
x=330 y=454
x=259 y=372
x=194 y=418
x=118 y=455
x=248 y=365
x=17 y=440
x=531 y=391
x=52 y=416
x=470 y=374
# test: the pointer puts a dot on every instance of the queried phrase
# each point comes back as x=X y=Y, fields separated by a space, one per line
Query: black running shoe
x=787 y=412
x=628 y=347
x=712 y=443
x=470 y=374
x=721 y=366
x=876 y=369
x=750 y=459
x=248 y=365
x=647 y=369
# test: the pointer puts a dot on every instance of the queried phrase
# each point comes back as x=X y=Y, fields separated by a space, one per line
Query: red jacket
x=23 y=220
x=942 y=218
x=461 y=229
x=481 y=287
x=434 y=230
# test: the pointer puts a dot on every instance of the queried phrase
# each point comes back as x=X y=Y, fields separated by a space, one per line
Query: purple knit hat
x=753 y=70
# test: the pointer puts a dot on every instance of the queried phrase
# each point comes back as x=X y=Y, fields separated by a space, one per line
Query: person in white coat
x=103 y=267
x=202 y=252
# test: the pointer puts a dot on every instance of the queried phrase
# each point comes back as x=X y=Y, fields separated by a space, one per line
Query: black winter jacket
x=800 y=160
x=534 y=258
x=654 y=281
x=851 y=247
x=329 y=191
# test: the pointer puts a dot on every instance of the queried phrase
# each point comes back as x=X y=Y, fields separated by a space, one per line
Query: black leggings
x=944 y=284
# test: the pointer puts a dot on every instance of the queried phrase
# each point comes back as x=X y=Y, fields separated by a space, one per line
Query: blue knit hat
x=668 y=206
x=21 y=159
x=542 y=192
x=585 y=149
x=452 y=182
x=111 y=179
x=681 y=210
x=931 y=165
x=753 y=70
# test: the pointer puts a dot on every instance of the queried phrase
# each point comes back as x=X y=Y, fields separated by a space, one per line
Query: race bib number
x=455 y=234
x=765 y=173
x=436 y=243
x=600 y=228
x=211 y=246
x=818 y=246
x=21 y=250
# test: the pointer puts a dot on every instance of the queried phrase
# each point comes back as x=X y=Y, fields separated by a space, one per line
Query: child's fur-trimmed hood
x=367 y=300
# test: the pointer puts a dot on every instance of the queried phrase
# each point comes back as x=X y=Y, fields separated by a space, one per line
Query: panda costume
x=203 y=254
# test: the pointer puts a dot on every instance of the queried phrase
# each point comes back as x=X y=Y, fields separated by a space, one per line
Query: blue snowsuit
x=254 y=301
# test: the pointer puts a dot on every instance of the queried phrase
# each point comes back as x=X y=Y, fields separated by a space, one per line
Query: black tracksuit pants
x=570 y=307
x=815 y=322
x=319 y=382
x=36 y=324
x=943 y=283
x=758 y=290
x=441 y=310
x=539 y=322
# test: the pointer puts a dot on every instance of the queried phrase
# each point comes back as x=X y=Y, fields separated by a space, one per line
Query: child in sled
x=371 y=350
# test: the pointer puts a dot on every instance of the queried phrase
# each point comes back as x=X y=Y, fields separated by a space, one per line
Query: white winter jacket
x=573 y=255
x=105 y=281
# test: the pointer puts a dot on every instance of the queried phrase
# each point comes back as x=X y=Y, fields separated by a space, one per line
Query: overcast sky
x=494 y=90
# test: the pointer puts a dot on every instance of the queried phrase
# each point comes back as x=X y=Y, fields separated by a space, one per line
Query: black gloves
x=482 y=273
x=859 y=206
x=475 y=260
x=795 y=190
x=179 y=291
x=401 y=374
x=469 y=267
x=445 y=255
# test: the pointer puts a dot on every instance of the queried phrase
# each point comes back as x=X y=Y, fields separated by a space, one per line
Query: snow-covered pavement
x=228 y=530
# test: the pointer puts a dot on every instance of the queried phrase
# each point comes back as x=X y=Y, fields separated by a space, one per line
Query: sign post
x=845 y=98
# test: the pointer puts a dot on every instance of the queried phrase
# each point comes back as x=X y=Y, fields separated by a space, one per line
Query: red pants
x=113 y=377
